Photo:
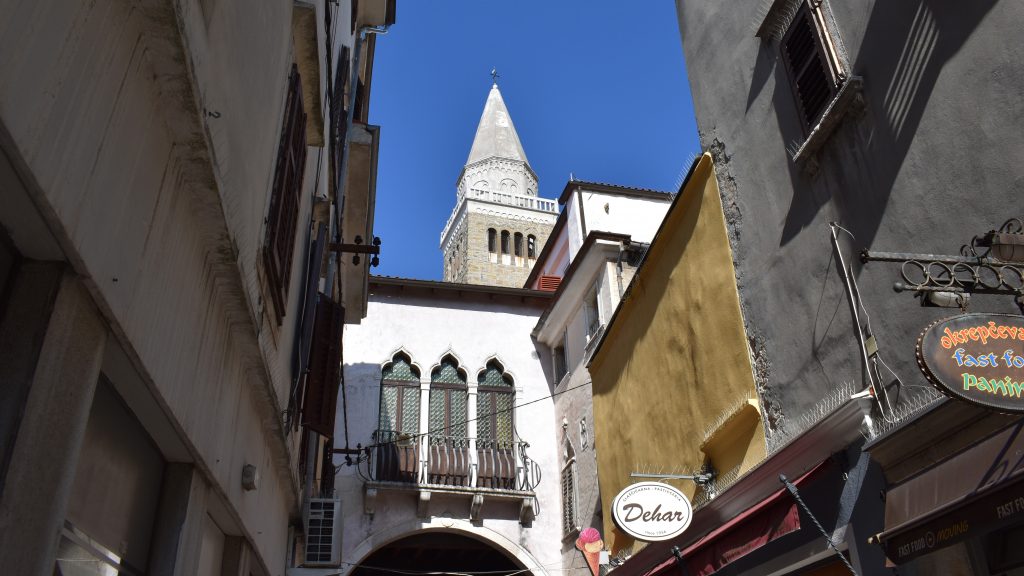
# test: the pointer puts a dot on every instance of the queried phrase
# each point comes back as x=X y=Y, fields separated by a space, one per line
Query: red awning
x=769 y=519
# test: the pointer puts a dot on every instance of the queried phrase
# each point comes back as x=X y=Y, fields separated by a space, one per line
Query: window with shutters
x=812 y=66
x=283 y=215
x=339 y=120
x=321 y=396
x=570 y=519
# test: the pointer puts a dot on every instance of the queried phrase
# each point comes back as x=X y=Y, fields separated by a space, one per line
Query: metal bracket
x=357 y=248
x=699 y=479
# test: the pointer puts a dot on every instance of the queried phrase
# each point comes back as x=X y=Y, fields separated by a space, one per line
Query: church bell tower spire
x=499 y=223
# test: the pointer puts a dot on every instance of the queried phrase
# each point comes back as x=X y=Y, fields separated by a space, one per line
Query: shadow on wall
x=905 y=47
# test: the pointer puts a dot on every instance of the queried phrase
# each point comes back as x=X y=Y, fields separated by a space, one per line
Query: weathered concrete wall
x=474 y=327
x=930 y=162
x=674 y=362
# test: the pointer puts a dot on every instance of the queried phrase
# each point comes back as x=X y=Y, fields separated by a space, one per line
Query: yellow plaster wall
x=674 y=363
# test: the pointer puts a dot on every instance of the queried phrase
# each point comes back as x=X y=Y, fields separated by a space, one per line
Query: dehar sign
x=652 y=511
x=978 y=358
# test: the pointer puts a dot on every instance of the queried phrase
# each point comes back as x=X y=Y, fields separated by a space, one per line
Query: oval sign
x=652 y=511
x=978 y=358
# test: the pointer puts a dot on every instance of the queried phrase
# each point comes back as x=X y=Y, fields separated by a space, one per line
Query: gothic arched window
x=492 y=240
x=495 y=399
x=400 y=397
x=449 y=400
x=504 y=241
x=495 y=428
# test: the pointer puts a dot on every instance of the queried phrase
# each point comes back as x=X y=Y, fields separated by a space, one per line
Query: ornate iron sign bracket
x=991 y=264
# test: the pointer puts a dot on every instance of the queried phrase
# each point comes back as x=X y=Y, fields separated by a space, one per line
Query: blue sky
x=592 y=88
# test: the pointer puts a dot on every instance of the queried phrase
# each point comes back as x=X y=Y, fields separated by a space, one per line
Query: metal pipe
x=870 y=256
x=865 y=365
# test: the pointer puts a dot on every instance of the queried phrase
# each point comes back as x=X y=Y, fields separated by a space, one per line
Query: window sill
x=848 y=100
x=571 y=535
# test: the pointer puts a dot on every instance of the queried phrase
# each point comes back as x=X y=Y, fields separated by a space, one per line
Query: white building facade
x=449 y=397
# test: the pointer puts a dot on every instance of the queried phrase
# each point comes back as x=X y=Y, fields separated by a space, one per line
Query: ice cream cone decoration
x=590 y=544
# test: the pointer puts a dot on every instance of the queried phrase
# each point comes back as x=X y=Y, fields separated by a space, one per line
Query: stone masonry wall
x=472 y=261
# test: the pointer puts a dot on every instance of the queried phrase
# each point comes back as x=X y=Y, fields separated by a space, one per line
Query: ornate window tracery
x=400 y=396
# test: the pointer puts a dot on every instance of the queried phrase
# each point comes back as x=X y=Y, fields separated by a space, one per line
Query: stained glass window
x=449 y=402
x=400 y=396
x=495 y=406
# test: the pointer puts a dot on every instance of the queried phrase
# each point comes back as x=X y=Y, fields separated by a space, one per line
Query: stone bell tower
x=499 y=224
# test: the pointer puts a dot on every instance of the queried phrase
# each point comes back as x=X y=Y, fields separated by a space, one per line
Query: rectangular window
x=592 y=313
x=811 y=64
x=558 y=356
x=283 y=216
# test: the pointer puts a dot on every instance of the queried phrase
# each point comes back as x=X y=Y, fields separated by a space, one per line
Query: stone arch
x=397 y=532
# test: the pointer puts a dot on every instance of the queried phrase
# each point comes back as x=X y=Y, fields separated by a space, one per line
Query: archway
x=438 y=552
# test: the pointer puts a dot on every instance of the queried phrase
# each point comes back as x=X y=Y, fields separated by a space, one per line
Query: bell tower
x=499 y=224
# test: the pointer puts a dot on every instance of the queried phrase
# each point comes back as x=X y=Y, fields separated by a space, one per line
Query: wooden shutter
x=283 y=216
x=339 y=120
x=809 y=73
x=321 y=397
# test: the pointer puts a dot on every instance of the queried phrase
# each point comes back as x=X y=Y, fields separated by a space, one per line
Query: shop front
x=816 y=523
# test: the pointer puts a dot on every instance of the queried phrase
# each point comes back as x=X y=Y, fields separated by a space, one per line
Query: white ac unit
x=322 y=522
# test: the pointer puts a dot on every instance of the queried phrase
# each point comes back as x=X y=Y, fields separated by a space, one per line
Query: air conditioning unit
x=321 y=518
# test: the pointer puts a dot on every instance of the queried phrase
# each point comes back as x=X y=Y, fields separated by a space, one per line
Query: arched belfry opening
x=438 y=552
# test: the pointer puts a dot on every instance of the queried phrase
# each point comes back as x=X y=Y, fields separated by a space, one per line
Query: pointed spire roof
x=495 y=135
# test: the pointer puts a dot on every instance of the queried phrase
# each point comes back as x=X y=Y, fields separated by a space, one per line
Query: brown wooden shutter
x=321 y=397
x=808 y=69
x=339 y=120
x=282 y=218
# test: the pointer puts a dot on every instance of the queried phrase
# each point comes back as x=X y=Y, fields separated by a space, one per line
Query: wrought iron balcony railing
x=447 y=461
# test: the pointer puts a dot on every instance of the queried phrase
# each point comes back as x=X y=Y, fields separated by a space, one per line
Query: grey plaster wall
x=930 y=160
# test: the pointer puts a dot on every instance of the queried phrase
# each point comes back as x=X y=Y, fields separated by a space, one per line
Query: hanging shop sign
x=978 y=358
x=652 y=511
